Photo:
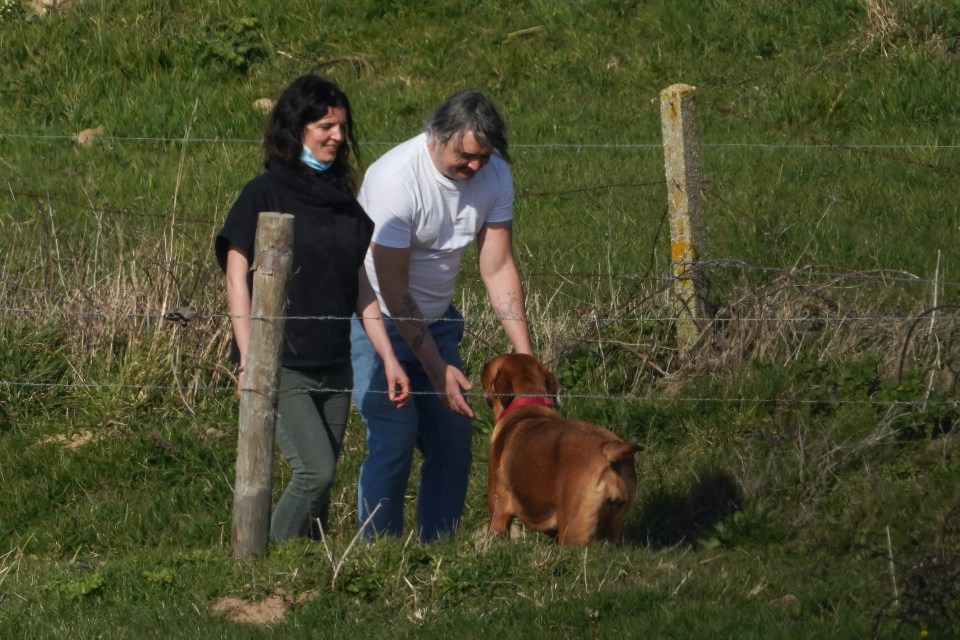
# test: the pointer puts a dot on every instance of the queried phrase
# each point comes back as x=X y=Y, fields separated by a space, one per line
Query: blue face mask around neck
x=308 y=159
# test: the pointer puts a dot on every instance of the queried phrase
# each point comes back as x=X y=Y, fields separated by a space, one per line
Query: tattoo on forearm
x=413 y=317
x=505 y=309
x=410 y=306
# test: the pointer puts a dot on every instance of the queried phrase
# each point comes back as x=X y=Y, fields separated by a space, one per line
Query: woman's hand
x=398 y=383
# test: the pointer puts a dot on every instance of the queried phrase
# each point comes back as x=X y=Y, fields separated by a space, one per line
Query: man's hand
x=452 y=391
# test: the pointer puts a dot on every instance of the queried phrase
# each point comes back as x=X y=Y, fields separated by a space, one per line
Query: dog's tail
x=619 y=451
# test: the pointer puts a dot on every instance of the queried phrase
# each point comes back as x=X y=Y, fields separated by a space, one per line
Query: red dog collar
x=524 y=401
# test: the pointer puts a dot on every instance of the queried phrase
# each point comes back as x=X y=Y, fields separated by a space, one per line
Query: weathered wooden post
x=681 y=152
x=258 y=397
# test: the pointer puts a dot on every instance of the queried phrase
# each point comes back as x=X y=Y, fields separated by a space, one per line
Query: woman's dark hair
x=307 y=99
x=469 y=110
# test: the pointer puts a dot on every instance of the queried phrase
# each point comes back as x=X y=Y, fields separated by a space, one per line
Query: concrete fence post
x=258 y=397
x=682 y=163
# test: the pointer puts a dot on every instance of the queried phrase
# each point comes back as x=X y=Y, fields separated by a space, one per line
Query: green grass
x=802 y=459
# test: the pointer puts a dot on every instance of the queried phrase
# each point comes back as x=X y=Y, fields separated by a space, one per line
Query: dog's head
x=511 y=375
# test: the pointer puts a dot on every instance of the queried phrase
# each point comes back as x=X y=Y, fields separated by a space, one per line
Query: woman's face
x=324 y=136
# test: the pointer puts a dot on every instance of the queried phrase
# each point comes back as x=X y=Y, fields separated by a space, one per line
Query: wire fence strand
x=478 y=395
x=817 y=145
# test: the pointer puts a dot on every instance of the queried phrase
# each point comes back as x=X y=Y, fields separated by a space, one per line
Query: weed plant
x=800 y=470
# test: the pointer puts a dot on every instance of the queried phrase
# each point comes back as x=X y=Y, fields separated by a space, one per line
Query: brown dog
x=569 y=478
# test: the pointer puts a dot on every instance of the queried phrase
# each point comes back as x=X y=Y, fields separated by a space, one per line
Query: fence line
x=881 y=275
x=198 y=218
x=541 y=145
x=871 y=275
x=173 y=316
x=814 y=145
x=478 y=395
x=817 y=144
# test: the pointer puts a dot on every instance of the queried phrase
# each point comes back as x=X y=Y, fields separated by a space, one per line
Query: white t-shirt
x=415 y=206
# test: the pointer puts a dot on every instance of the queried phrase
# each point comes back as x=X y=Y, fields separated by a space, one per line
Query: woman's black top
x=331 y=233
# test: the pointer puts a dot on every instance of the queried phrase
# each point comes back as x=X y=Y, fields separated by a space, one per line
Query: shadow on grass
x=928 y=599
x=666 y=518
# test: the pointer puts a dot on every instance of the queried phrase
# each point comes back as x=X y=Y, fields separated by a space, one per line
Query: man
x=431 y=197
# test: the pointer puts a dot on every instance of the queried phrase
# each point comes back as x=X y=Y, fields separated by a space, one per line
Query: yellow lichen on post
x=684 y=176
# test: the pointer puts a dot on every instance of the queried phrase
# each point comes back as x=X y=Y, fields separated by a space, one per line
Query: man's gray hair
x=469 y=110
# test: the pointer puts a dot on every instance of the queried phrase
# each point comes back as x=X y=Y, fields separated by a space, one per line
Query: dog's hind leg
x=576 y=533
x=500 y=517
x=576 y=523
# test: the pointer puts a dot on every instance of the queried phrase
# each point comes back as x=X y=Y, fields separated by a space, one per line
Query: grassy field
x=801 y=467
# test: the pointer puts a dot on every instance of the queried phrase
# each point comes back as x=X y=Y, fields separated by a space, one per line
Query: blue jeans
x=443 y=437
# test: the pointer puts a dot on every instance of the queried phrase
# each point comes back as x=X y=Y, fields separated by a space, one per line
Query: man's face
x=460 y=159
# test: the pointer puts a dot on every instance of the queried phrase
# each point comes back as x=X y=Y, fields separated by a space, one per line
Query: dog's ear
x=502 y=389
x=493 y=384
x=486 y=381
x=553 y=387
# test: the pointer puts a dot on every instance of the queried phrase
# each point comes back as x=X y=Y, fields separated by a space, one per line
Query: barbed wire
x=529 y=145
x=881 y=275
x=479 y=395
x=193 y=217
x=875 y=275
x=174 y=316
x=815 y=144
x=878 y=151
x=190 y=217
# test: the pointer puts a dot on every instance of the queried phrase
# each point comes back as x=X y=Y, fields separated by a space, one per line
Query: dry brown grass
x=892 y=25
x=119 y=308
x=155 y=315
x=781 y=318
x=881 y=25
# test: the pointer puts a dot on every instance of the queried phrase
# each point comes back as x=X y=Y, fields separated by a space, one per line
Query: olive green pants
x=312 y=411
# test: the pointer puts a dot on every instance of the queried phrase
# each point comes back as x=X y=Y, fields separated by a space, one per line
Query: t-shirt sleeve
x=390 y=205
x=502 y=210
x=366 y=227
x=240 y=229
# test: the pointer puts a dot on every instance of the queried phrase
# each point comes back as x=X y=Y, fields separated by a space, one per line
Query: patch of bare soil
x=73 y=441
x=86 y=137
x=42 y=6
x=263 y=612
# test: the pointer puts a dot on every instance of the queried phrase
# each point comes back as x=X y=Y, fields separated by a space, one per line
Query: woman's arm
x=239 y=303
x=368 y=309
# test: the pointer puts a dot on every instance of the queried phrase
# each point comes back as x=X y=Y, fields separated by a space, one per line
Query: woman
x=307 y=144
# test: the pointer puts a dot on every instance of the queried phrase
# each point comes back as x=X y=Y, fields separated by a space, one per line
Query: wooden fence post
x=681 y=151
x=258 y=397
